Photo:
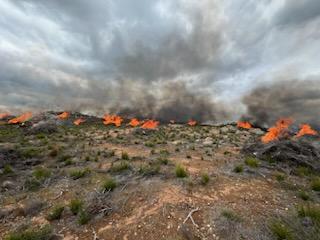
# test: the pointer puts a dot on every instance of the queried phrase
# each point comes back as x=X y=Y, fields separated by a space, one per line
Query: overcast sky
x=62 y=53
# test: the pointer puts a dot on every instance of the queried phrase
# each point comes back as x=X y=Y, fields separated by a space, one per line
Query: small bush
x=109 y=184
x=75 y=206
x=64 y=158
x=230 y=215
x=76 y=174
x=125 y=156
x=53 y=152
x=55 y=213
x=251 y=162
x=149 y=144
x=83 y=217
x=280 y=177
x=181 y=172
x=303 y=171
x=205 y=179
x=280 y=231
x=147 y=170
x=163 y=161
x=315 y=184
x=304 y=196
x=41 y=173
x=119 y=167
x=42 y=233
x=238 y=169
x=30 y=153
x=312 y=212
x=7 y=169
x=32 y=184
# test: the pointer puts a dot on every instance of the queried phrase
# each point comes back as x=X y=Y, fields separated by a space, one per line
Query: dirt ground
x=226 y=197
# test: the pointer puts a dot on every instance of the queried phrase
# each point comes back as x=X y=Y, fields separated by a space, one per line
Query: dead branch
x=190 y=216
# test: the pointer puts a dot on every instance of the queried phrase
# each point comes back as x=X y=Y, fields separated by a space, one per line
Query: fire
x=134 y=122
x=4 y=115
x=306 y=129
x=63 y=115
x=150 y=124
x=79 y=121
x=112 y=119
x=192 y=123
x=277 y=131
x=245 y=125
x=24 y=117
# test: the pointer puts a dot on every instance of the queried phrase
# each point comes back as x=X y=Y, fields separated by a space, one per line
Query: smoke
x=290 y=98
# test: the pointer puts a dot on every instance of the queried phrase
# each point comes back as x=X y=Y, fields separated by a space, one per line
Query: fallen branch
x=191 y=218
x=60 y=194
x=95 y=236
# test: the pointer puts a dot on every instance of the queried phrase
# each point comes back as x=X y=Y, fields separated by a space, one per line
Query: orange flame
x=150 y=124
x=245 y=125
x=134 y=122
x=277 y=131
x=24 y=117
x=192 y=123
x=79 y=121
x=4 y=115
x=112 y=119
x=63 y=115
x=306 y=129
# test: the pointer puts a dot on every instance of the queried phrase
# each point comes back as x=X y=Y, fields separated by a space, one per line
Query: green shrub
x=205 y=179
x=41 y=173
x=109 y=184
x=304 y=196
x=30 y=152
x=238 y=169
x=280 y=177
x=7 y=169
x=32 y=184
x=76 y=174
x=163 y=161
x=181 y=172
x=280 y=230
x=55 y=213
x=315 y=184
x=149 y=170
x=125 y=156
x=75 y=206
x=303 y=171
x=230 y=215
x=312 y=212
x=251 y=162
x=83 y=217
x=42 y=233
x=119 y=167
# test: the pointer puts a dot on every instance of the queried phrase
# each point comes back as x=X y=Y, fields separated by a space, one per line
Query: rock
x=224 y=130
x=44 y=127
x=5 y=213
x=208 y=141
x=256 y=131
x=8 y=184
x=32 y=207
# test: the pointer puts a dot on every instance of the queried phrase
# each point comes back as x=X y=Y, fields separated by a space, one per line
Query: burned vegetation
x=82 y=177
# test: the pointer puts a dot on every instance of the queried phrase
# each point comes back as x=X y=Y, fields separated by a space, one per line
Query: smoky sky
x=153 y=58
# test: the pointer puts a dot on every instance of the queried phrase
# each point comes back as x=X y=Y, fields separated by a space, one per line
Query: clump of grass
x=251 y=162
x=280 y=177
x=303 y=171
x=304 y=196
x=75 y=206
x=181 y=172
x=147 y=170
x=238 y=168
x=32 y=184
x=41 y=173
x=164 y=152
x=7 y=169
x=30 y=153
x=163 y=161
x=230 y=215
x=149 y=144
x=109 y=184
x=280 y=230
x=76 y=174
x=119 y=167
x=83 y=217
x=53 y=152
x=125 y=156
x=64 y=157
x=205 y=179
x=109 y=153
x=42 y=233
x=55 y=213
x=312 y=212
x=315 y=184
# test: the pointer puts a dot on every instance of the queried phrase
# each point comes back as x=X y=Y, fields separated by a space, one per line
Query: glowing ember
x=245 y=125
x=134 y=122
x=79 y=121
x=306 y=129
x=24 y=117
x=277 y=131
x=112 y=119
x=63 y=115
x=150 y=124
x=192 y=123
x=3 y=115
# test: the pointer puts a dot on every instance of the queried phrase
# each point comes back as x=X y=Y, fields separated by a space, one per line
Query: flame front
x=134 y=122
x=22 y=118
x=63 y=115
x=275 y=132
x=150 y=124
x=245 y=125
x=4 y=115
x=78 y=121
x=112 y=119
x=306 y=129
x=192 y=123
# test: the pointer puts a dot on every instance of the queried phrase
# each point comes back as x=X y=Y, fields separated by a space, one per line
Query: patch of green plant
x=75 y=206
x=41 y=136
x=39 y=233
x=164 y=152
x=251 y=162
x=32 y=184
x=83 y=217
x=41 y=173
x=120 y=166
x=315 y=184
x=109 y=184
x=30 y=152
x=302 y=171
x=149 y=170
x=109 y=153
x=280 y=230
x=79 y=173
x=230 y=215
x=280 y=176
x=125 y=156
x=238 y=168
x=304 y=195
x=310 y=211
x=163 y=160
x=7 y=169
x=55 y=213
x=205 y=178
x=64 y=158
x=149 y=144
x=181 y=172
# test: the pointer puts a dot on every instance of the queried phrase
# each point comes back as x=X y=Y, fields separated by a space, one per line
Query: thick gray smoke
x=299 y=100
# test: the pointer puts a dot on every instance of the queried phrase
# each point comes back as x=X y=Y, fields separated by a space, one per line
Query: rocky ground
x=176 y=182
